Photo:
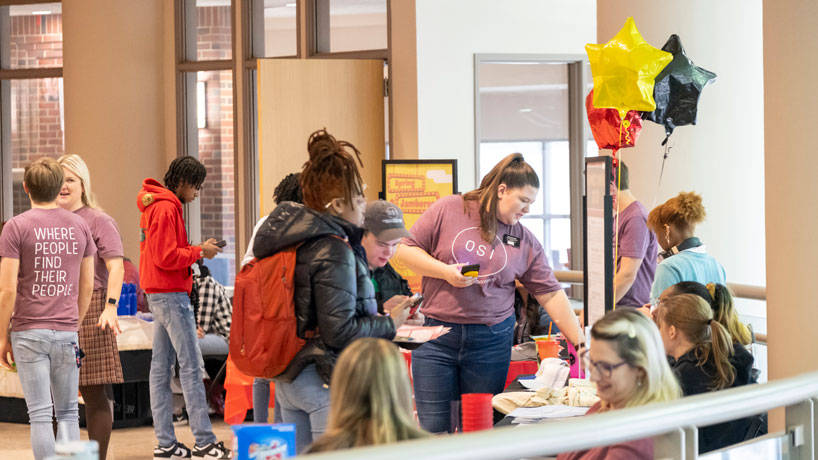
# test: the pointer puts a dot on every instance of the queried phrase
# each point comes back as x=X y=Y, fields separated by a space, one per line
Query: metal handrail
x=745 y=291
x=598 y=430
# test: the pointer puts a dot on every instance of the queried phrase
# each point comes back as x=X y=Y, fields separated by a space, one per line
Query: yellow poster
x=414 y=185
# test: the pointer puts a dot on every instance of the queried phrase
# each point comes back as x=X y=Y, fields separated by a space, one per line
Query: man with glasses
x=383 y=230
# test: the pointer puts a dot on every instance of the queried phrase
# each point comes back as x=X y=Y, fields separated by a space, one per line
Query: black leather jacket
x=333 y=291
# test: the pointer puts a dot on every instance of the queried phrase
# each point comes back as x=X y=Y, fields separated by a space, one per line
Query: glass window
x=280 y=28
x=357 y=25
x=214 y=35
x=492 y=152
x=37 y=129
x=524 y=108
x=34 y=36
x=215 y=151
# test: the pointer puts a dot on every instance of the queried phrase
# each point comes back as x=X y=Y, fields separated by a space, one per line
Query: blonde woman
x=628 y=364
x=101 y=366
x=371 y=398
x=704 y=359
x=720 y=299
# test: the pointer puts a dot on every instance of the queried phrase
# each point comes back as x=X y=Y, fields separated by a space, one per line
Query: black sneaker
x=213 y=451
x=180 y=419
x=174 y=452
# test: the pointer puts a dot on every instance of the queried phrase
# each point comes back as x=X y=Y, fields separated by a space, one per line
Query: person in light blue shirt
x=685 y=258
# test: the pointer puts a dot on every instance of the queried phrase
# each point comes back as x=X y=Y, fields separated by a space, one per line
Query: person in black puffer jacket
x=333 y=291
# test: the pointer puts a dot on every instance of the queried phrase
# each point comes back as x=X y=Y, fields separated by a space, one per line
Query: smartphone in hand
x=415 y=305
x=470 y=270
x=221 y=243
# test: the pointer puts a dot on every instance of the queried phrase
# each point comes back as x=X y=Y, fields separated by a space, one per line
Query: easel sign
x=414 y=185
x=598 y=238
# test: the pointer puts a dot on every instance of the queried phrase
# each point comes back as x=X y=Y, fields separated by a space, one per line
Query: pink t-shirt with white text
x=451 y=235
x=106 y=239
x=50 y=245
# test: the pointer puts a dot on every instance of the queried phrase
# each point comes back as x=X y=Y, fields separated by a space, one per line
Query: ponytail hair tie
x=711 y=288
x=709 y=321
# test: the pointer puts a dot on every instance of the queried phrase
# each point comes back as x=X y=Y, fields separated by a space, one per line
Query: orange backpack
x=263 y=337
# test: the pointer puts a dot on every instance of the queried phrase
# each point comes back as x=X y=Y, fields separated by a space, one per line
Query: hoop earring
x=667 y=234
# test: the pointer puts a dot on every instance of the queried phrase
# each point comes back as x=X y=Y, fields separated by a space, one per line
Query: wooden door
x=299 y=96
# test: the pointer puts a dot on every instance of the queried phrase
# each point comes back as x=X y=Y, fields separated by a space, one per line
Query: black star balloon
x=677 y=89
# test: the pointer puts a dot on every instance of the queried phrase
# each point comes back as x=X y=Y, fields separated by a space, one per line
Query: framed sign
x=413 y=185
x=598 y=238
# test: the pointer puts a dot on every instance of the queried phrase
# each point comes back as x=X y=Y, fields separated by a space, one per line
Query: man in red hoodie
x=165 y=275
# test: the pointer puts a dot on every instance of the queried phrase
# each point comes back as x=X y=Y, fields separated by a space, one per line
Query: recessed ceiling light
x=38 y=13
x=525 y=110
x=290 y=5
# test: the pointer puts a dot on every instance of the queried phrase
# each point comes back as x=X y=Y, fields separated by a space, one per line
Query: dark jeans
x=471 y=358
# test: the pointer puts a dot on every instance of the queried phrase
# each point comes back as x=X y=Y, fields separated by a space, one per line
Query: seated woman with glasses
x=627 y=362
x=704 y=359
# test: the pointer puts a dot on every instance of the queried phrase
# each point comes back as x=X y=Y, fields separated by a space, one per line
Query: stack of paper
x=419 y=334
x=536 y=414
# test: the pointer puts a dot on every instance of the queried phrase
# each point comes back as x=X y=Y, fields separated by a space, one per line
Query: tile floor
x=126 y=443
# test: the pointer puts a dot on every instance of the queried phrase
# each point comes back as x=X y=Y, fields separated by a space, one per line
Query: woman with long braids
x=333 y=291
x=100 y=367
x=481 y=227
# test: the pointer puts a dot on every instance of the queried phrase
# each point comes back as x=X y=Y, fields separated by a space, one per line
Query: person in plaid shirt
x=214 y=309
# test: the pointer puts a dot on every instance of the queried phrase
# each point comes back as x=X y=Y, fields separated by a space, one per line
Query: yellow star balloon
x=624 y=71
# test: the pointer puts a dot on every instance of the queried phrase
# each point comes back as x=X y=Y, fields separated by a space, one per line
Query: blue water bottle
x=132 y=306
x=122 y=309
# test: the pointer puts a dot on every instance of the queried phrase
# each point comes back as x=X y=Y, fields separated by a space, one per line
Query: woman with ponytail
x=721 y=301
x=704 y=359
x=685 y=258
x=333 y=290
x=481 y=227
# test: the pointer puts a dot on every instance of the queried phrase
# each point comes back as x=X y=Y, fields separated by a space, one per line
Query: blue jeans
x=305 y=403
x=47 y=366
x=471 y=358
x=174 y=338
x=261 y=402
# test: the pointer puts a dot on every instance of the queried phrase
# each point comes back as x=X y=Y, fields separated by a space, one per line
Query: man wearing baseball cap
x=383 y=230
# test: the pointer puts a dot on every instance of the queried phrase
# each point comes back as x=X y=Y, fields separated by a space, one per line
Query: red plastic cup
x=477 y=411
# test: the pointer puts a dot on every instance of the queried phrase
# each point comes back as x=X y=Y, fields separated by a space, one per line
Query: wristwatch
x=112 y=301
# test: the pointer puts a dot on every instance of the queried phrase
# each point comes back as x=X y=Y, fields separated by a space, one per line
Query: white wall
x=722 y=157
x=450 y=32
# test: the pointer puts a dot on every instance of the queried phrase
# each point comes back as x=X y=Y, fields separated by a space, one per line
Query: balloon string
x=662 y=171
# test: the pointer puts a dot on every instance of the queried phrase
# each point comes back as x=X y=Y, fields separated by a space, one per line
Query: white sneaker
x=177 y=451
x=212 y=451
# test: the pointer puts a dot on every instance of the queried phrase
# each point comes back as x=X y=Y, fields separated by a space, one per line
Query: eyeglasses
x=601 y=367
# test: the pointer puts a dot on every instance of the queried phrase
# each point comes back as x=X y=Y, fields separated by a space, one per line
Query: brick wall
x=36 y=118
x=214 y=42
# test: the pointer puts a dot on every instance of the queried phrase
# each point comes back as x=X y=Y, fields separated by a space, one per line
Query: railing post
x=691 y=442
x=670 y=446
x=800 y=423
